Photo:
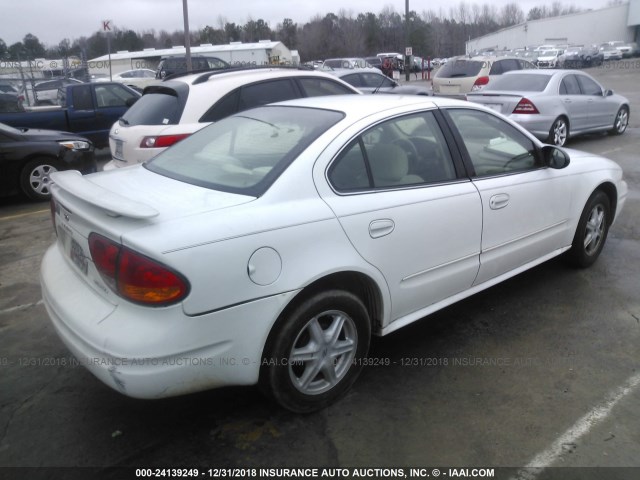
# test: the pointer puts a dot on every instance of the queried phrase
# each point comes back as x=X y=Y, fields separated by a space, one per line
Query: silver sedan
x=371 y=80
x=556 y=105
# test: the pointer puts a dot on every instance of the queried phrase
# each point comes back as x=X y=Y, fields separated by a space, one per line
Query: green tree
x=33 y=47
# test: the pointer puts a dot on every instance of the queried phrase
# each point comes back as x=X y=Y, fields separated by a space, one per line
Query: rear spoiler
x=72 y=182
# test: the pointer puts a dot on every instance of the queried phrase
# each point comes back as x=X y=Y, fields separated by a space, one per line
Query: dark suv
x=170 y=65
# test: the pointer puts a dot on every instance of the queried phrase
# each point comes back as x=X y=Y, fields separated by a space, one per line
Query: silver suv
x=176 y=108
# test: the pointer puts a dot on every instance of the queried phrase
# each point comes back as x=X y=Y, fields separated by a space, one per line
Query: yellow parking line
x=23 y=215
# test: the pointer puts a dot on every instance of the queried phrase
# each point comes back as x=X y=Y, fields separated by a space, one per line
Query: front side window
x=402 y=152
x=266 y=92
x=569 y=86
x=244 y=153
x=588 y=86
x=494 y=146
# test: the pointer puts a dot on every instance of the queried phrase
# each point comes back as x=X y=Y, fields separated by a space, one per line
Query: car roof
x=361 y=106
x=548 y=73
x=240 y=75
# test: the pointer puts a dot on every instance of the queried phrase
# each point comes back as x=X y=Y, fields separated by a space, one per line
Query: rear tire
x=592 y=231
x=35 y=180
x=316 y=351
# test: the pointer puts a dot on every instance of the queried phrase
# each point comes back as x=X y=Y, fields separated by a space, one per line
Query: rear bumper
x=155 y=352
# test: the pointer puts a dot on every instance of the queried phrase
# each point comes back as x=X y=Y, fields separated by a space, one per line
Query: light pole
x=407 y=58
x=187 y=37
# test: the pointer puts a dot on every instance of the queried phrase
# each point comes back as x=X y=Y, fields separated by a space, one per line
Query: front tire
x=592 y=231
x=621 y=121
x=316 y=351
x=559 y=132
x=35 y=179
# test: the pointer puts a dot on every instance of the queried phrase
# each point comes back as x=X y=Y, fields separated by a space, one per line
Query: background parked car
x=579 y=56
x=342 y=63
x=137 y=79
x=177 y=65
x=609 y=52
x=10 y=102
x=45 y=92
x=169 y=112
x=555 y=105
x=625 y=49
x=28 y=157
x=548 y=58
x=463 y=75
x=374 y=81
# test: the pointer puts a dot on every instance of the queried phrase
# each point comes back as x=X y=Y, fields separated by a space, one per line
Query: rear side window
x=317 y=87
x=460 y=68
x=154 y=109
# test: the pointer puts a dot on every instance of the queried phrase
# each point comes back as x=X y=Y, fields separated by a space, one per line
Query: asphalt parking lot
x=540 y=371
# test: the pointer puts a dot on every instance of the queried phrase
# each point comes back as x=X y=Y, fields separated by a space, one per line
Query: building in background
x=264 y=52
x=618 y=22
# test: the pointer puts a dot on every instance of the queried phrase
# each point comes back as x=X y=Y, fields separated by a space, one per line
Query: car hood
x=38 y=135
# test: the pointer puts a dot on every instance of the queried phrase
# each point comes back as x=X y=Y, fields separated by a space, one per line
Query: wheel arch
x=357 y=283
x=612 y=193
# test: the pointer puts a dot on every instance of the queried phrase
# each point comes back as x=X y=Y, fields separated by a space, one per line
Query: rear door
x=399 y=199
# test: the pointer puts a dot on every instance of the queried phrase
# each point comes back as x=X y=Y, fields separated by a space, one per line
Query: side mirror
x=608 y=93
x=554 y=157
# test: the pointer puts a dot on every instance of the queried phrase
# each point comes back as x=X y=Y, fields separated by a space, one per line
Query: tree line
x=430 y=33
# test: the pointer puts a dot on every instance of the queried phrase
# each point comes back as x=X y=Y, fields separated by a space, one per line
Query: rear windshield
x=247 y=152
x=460 y=68
x=525 y=82
x=154 y=109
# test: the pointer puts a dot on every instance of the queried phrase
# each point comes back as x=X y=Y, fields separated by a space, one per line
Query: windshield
x=549 y=53
x=525 y=82
x=161 y=108
x=247 y=152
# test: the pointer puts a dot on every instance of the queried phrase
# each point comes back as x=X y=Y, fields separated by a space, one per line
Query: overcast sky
x=54 y=20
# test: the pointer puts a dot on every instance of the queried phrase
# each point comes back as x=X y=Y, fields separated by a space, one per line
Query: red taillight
x=480 y=82
x=134 y=276
x=162 y=141
x=525 y=106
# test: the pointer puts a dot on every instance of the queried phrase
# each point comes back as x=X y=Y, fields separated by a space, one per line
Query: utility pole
x=187 y=36
x=407 y=55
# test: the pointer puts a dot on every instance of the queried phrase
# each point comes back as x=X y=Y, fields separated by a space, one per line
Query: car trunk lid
x=117 y=203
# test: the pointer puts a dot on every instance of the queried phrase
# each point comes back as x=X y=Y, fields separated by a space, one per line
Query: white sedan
x=268 y=247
